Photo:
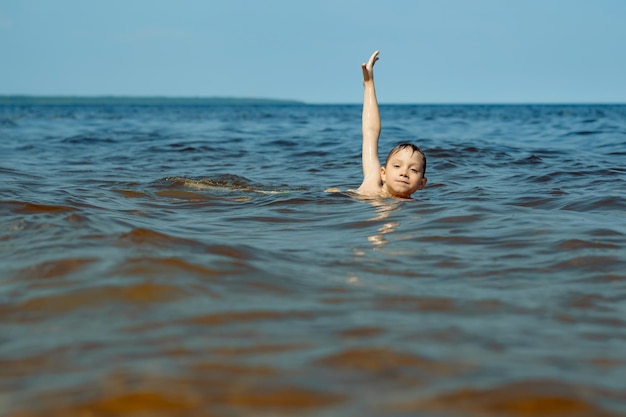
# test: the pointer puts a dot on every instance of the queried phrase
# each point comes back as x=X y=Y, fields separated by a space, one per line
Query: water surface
x=186 y=261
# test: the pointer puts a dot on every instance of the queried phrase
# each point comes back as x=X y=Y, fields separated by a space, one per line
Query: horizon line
x=154 y=99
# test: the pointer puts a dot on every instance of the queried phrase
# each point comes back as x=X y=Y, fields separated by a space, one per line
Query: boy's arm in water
x=372 y=180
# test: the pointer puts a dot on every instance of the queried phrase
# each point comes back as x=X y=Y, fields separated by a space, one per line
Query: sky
x=432 y=51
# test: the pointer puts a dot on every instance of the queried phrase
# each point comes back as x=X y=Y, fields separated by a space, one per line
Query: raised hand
x=368 y=69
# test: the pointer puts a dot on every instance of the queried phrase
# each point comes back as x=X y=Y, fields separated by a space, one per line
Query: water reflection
x=384 y=209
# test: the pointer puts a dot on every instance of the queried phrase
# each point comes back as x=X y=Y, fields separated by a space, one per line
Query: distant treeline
x=138 y=101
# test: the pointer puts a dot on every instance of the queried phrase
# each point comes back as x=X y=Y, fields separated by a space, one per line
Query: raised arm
x=371 y=131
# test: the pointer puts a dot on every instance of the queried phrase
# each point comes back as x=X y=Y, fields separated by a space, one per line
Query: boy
x=405 y=166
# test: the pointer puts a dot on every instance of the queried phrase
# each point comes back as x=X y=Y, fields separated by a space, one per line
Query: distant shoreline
x=138 y=101
x=35 y=100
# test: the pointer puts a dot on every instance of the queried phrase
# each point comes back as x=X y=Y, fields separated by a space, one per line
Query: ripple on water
x=391 y=365
x=613 y=203
x=24 y=207
x=141 y=237
x=59 y=268
x=213 y=389
x=523 y=398
x=575 y=244
x=78 y=301
x=169 y=267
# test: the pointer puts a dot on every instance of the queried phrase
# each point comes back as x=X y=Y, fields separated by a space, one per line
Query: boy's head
x=413 y=149
x=404 y=170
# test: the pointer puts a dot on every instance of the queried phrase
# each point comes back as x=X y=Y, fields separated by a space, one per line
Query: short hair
x=413 y=148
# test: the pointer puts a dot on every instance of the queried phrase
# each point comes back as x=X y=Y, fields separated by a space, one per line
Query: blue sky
x=432 y=51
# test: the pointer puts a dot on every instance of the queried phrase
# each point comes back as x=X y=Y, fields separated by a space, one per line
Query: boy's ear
x=423 y=182
x=382 y=173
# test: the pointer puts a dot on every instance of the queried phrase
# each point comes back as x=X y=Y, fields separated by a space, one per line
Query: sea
x=211 y=260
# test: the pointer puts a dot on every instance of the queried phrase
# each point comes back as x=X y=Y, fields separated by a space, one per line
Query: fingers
x=374 y=57
x=369 y=67
x=366 y=73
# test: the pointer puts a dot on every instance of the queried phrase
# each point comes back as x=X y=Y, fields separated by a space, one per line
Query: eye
x=414 y=170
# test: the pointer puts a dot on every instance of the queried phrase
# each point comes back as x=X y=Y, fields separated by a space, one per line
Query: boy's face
x=403 y=173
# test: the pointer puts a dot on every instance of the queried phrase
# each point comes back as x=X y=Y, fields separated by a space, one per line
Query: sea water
x=188 y=261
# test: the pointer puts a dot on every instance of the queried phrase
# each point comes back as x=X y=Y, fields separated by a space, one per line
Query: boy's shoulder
x=370 y=189
x=372 y=184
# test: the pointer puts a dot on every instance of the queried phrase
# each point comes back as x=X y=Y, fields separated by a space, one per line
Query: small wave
x=589 y=263
x=44 y=306
x=599 y=203
x=57 y=269
x=7 y=123
x=87 y=140
x=141 y=237
x=524 y=398
x=284 y=143
x=410 y=303
x=24 y=207
x=543 y=202
x=130 y=193
x=530 y=160
x=184 y=147
x=583 y=133
x=406 y=367
x=151 y=267
x=182 y=195
x=251 y=316
x=225 y=182
x=576 y=244
x=211 y=389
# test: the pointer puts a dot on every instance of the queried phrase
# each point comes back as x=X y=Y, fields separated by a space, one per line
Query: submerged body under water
x=164 y=260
